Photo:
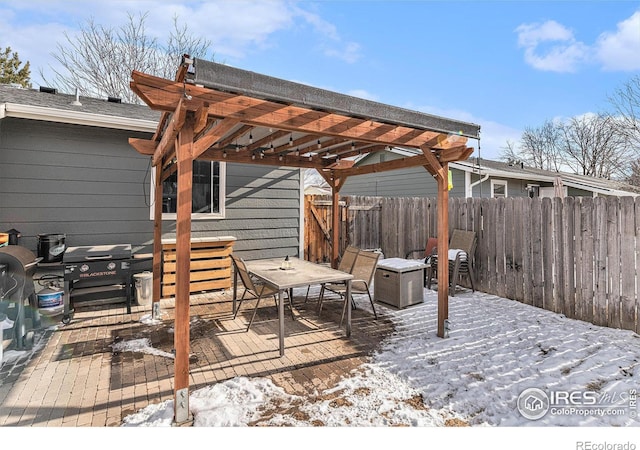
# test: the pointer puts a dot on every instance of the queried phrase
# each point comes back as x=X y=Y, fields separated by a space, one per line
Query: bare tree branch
x=626 y=102
x=593 y=145
x=99 y=60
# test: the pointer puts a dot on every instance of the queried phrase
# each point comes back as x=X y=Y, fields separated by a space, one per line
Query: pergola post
x=157 y=243
x=335 y=226
x=184 y=154
x=440 y=171
x=443 y=248
x=336 y=182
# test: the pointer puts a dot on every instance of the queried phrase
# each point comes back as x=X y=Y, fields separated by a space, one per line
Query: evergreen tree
x=10 y=71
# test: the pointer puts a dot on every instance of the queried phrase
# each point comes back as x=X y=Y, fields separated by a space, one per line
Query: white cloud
x=235 y=28
x=361 y=93
x=530 y=35
x=552 y=47
x=349 y=52
x=493 y=135
x=332 y=44
x=620 y=50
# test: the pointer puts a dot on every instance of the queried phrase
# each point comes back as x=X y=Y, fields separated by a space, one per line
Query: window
x=208 y=192
x=498 y=188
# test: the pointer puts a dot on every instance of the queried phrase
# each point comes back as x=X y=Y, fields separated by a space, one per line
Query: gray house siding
x=262 y=212
x=410 y=182
x=85 y=182
x=515 y=187
x=518 y=187
x=89 y=184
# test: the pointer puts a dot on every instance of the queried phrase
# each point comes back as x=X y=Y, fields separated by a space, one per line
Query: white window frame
x=195 y=216
x=499 y=183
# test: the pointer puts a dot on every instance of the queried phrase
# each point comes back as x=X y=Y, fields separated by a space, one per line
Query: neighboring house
x=66 y=167
x=479 y=178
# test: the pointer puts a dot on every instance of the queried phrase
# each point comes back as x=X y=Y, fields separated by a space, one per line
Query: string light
x=224 y=154
x=291 y=140
x=297 y=152
x=319 y=145
x=250 y=138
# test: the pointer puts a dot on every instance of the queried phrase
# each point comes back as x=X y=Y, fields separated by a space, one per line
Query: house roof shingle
x=59 y=101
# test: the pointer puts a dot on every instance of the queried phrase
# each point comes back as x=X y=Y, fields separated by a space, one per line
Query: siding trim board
x=76 y=117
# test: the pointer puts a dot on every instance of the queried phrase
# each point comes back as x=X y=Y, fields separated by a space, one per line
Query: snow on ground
x=496 y=349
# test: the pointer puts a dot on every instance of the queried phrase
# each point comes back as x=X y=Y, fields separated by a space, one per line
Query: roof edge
x=21 y=111
x=231 y=79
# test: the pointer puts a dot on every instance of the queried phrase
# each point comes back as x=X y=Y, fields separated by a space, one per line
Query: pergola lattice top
x=246 y=117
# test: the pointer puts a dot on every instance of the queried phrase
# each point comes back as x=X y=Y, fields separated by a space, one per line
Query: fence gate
x=317 y=233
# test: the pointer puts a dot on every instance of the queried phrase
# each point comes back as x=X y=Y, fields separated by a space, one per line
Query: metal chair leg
x=239 y=304
x=253 y=316
x=375 y=315
x=320 y=300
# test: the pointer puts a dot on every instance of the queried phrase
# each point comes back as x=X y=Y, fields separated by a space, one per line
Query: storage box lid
x=97 y=252
x=401 y=265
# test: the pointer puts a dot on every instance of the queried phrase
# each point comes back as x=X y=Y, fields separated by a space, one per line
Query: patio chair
x=430 y=249
x=363 y=270
x=346 y=263
x=254 y=287
x=462 y=247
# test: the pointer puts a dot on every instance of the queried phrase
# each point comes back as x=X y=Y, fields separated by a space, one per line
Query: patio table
x=302 y=273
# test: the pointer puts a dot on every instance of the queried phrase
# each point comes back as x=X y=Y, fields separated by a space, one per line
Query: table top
x=302 y=273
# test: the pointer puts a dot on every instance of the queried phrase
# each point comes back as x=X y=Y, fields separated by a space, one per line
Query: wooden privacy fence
x=574 y=256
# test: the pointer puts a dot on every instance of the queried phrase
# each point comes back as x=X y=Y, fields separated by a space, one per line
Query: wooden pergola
x=218 y=113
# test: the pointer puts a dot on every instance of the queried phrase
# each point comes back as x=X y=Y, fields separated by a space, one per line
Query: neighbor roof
x=506 y=170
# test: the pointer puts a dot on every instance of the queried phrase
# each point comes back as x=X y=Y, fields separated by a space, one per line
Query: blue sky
x=504 y=65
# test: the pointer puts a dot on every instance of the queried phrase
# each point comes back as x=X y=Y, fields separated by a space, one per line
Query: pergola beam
x=169 y=136
x=164 y=95
x=212 y=136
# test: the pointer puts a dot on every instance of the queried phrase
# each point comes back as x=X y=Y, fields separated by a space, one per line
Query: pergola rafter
x=217 y=113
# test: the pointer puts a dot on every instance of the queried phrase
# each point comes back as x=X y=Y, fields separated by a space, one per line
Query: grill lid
x=97 y=253
x=17 y=257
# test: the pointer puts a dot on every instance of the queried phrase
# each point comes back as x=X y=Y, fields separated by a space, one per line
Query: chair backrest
x=432 y=245
x=363 y=269
x=348 y=259
x=243 y=272
x=463 y=240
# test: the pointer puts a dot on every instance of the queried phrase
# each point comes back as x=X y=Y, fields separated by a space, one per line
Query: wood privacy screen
x=575 y=256
x=210 y=265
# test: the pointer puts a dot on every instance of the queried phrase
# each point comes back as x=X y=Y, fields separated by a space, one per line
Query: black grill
x=96 y=275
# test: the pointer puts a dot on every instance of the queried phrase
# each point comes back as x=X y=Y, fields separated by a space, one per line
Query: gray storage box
x=399 y=282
